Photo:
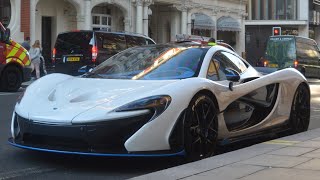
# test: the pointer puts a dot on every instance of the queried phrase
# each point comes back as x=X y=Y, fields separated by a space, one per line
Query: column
x=175 y=25
x=304 y=31
x=250 y=9
x=189 y=22
x=240 y=38
x=139 y=17
x=265 y=8
x=87 y=15
x=126 y=22
x=257 y=10
x=146 y=20
x=184 y=21
x=33 y=4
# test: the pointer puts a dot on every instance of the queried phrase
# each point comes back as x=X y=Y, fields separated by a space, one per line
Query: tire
x=300 y=110
x=11 y=79
x=200 y=128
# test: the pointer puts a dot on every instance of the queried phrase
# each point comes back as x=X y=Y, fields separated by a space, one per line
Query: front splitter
x=11 y=142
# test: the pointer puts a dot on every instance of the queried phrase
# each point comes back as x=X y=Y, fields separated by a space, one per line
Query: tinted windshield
x=153 y=62
x=281 y=52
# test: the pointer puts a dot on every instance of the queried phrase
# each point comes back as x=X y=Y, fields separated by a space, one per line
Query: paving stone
x=238 y=171
x=213 y=162
x=292 y=151
x=313 y=154
x=316 y=139
x=313 y=164
x=311 y=144
x=275 y=161
x=308 y=135
x=283 y=174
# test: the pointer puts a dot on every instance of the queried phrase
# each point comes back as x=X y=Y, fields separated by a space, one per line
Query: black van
x=76 y=52
x=293 y=51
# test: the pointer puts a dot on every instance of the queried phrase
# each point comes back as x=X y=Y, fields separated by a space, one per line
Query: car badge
x=55 y=108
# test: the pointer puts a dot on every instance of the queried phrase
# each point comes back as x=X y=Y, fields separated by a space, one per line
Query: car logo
x=55 y=108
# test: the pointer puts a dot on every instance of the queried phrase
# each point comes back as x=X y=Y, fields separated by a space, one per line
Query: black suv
x=76 y=52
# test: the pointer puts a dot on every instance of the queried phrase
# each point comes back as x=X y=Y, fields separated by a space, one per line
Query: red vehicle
x=14 y=62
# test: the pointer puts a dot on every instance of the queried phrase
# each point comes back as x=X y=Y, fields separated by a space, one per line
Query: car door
x=253 y=107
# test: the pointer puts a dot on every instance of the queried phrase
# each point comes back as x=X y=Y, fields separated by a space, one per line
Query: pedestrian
x=35 y=54
x=212 y=42
x=26 y=43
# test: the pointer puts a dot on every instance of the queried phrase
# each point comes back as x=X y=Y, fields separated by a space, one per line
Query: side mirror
x=6 y=37
x=232 y=75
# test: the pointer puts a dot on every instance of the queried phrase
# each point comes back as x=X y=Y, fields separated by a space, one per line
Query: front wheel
x=300 y=110
x=11 y=79
x=200 y=128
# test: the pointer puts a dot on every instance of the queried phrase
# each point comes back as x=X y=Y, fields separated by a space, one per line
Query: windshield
x=154 y=62
x=281 y=52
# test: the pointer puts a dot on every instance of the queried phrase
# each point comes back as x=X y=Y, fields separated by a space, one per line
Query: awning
x=227 y=23
x=202 y=21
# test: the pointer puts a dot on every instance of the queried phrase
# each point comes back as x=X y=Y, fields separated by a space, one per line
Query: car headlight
x=156 y=104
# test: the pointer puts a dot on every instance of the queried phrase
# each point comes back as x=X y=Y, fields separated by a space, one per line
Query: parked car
x=14 y=62
x=292 y=51
x=76 y=52
x=160 y=100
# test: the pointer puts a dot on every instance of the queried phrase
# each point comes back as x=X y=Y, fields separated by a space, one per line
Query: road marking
x=24 y=172
x=282 y=142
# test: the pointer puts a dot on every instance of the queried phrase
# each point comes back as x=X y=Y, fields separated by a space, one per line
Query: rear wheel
x=300 y=110
x=200 y=128
x=11 y=79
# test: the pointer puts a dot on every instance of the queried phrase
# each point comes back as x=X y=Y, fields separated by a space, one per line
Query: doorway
x=46 y=38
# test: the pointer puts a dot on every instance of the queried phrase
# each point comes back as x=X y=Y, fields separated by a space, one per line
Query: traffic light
x=276 y=31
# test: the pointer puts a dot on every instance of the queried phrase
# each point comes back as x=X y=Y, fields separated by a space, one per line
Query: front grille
x=106 y=137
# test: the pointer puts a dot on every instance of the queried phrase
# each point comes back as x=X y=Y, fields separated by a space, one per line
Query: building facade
x=295 y=17
x=159 y=19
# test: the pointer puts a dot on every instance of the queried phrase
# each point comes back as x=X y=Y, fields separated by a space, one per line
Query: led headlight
x=156 y=104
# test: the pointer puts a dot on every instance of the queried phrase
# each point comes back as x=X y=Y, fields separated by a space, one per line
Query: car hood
x=61 y=102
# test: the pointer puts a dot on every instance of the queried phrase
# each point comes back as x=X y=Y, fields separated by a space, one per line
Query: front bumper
x=97 y=139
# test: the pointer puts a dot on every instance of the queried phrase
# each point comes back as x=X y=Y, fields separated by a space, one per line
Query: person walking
x=26 y=43
x=35 y=54
x=212 y=42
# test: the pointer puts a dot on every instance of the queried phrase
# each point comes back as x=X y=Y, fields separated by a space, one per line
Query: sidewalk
x=293 y=157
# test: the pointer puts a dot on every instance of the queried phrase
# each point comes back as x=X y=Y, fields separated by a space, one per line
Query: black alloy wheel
x=300 y=110
x=200 y=128
x=11 y=79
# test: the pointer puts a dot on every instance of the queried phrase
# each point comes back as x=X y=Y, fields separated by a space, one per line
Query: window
x=307 y=50
x=215 y=71
x=113 y=43
x=135 y=41
x=149 y=41
x=101 y=22
x=5 y=12
x=240 y=65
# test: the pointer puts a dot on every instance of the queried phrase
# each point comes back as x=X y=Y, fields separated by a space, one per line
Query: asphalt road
x=22 y=164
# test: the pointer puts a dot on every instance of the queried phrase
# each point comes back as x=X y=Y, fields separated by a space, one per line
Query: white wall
x=63 y=15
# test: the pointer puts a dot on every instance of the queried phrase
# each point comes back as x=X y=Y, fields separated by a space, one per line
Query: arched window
x=5 y=12
x=101 y=18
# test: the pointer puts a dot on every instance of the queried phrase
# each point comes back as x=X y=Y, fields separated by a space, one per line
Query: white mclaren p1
x=159 y=100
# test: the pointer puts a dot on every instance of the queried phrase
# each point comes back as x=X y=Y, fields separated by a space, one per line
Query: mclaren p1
x=159 y=100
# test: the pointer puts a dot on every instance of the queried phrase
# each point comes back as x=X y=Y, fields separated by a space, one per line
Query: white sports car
x=159 y=100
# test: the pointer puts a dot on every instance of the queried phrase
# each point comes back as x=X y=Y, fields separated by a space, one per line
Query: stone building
x=159 y=19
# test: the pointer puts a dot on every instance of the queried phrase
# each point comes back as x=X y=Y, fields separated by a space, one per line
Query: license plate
x=72 y=59
x=273 y=65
